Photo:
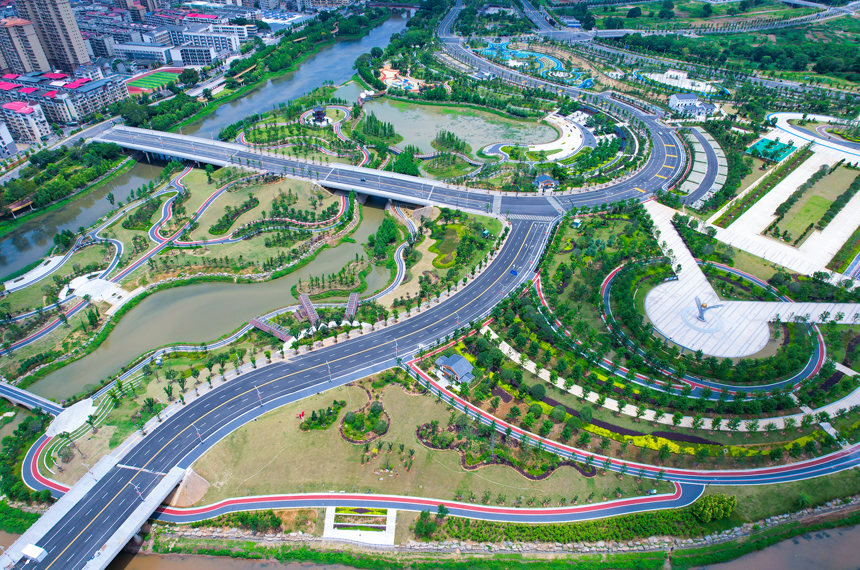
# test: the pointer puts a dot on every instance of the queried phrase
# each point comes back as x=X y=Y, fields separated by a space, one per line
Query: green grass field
x=154 y=81
x=810 y=213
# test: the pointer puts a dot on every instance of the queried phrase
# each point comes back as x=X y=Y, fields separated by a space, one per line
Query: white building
x=144 y=51
x=191 y=55
x=689 y=104
x=27 y=122
x=7 y=143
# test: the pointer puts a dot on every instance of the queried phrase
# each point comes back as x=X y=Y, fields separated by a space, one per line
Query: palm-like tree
x=168 y=390
x=91 y=420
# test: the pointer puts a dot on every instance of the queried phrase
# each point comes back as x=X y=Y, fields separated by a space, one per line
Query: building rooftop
x=459 y=365
x=19 y=107
x=685 y=96
x=9 y=22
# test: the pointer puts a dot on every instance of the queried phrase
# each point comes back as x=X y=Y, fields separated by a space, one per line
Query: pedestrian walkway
x=818 y=249
x=833 y=409
x=721 y=328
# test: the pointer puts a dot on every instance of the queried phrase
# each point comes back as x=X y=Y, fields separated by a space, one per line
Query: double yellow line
x=475 y=298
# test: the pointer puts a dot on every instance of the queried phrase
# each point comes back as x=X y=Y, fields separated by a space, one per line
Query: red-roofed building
x=6 y=86
x=11 y=76
x=54 y=75
x=26 y=121
x=28 y=90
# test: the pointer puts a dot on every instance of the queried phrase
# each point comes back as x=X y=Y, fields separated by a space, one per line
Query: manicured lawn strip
x=734 y=211
x=809 y=213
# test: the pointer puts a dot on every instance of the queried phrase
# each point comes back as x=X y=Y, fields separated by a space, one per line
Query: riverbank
x=269 y=76
x=102 y=334
x=643 y=553
x=8 y=226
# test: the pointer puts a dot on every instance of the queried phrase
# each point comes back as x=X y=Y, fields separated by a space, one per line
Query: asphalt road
x=114 y=498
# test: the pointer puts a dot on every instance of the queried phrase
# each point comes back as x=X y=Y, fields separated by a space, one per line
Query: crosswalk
x=531 y=217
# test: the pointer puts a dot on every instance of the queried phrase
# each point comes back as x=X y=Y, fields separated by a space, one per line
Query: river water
x=33 y=240
x=826 y=550
x=332 y=63
x=202 y=312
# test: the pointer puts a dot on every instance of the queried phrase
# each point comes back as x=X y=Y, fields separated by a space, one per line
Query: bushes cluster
x=675 y=522
x=321 y=419
x=258 y=521
x=140 y=218
x=15 y=447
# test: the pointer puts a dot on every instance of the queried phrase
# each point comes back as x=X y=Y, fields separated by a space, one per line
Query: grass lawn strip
x=233 y=464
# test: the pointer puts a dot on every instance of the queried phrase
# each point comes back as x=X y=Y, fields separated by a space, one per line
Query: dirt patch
x=503 y=395
x=190 y=490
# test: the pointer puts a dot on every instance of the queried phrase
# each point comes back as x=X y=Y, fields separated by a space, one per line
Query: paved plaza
x=731 y=328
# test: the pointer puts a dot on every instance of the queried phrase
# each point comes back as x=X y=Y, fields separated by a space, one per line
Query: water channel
x=185 y=314
x=198 y=313
x=31 y=241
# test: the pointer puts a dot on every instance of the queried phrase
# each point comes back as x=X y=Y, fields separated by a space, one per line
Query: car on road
x=363 y=180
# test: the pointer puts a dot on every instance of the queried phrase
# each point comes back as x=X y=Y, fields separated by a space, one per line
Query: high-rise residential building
x=26 y=121
x=57 y=30
x=20 y=46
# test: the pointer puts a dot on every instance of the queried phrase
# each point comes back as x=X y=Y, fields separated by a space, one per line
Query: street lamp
x=198 y=433
x=258 y=395
x=136 y=488
x=329 y=370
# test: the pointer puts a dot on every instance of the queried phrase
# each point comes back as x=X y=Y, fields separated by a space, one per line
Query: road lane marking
x=658 y=176
x=501 y=275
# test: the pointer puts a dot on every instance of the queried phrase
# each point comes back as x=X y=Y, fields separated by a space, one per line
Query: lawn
x=815 y=201
x=756 y=502
x=155 y=80
x=808 y=213
x=320 y=460
x=447 y=246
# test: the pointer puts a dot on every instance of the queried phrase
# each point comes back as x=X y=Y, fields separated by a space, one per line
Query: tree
x=91 y=420
x=538 y=391
x=168 y=391
x=635 y=12
x=189 y=77
x=707 y=11
x=424 y=526
x=442 y=511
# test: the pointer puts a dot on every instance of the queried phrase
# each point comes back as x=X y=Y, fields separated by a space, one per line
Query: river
x=31 y=241
x=834 y=549
x=198 y=313
x=332 y=63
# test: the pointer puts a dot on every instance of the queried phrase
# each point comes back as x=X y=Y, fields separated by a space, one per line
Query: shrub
x=537 y=392
x=535 y=410
x=558 y=413
x=380 y=427
x=349 y=418
x=574 y=423
x=714 y=508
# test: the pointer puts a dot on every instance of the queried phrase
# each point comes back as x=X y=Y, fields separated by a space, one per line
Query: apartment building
x=63 y=99
x=20 y=47
x=57 y=31
x=26 y=121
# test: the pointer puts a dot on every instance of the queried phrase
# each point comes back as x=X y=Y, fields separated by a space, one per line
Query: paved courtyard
x=731 y=328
